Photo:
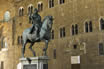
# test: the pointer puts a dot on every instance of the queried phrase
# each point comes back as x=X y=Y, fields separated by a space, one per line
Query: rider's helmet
x=35 y=10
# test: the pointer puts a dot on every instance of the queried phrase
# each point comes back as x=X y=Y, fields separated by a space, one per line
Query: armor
x=36 y=22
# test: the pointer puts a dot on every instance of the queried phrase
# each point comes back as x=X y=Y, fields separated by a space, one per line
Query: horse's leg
x=46 y=47
x=23 y=48
x=32 y=49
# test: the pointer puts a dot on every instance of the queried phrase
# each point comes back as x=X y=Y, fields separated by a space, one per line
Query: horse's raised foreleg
x=32 y=49
x=23 y=49
x=46 y=47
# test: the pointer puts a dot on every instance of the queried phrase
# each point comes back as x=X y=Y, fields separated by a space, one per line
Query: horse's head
x=49 y=22
x=46 y=27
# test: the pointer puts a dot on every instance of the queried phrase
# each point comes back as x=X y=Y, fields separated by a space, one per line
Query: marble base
x=33 y=63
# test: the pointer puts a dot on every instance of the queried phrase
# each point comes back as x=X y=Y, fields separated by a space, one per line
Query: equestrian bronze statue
x=40 y=31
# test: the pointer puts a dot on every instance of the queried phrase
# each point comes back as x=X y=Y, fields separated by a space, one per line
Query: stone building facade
x=77 y=33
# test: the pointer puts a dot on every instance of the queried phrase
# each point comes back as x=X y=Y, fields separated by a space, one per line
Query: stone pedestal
x=33 y=63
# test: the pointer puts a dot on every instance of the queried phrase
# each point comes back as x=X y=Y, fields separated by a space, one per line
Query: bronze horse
x=44 y=35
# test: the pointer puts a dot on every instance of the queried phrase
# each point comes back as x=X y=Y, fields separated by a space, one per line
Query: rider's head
x=35 y=10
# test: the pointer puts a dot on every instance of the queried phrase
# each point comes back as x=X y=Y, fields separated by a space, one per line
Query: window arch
x=30 y=9
x=51 y=3
x=21 y=11
x=40 y=6
x=88 y=26
x=102 y=24
x=74 y=29
x=62 y=32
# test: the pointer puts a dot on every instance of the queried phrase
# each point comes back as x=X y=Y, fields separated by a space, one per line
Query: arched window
x=40 y=6
x=86 y=27
x=30 y=9
x=51 y=3
x=62 y=32
x=102 y=24
x=72 y=29
x=90 y=27
x=76 y=29
x=21 y=11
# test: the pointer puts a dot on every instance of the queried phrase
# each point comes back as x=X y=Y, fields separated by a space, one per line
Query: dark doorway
x=75 y=66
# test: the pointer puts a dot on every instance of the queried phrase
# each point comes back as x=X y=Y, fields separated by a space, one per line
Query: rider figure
x=36 y=22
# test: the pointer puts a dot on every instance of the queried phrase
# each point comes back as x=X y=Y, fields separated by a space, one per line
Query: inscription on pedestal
x=32 y=66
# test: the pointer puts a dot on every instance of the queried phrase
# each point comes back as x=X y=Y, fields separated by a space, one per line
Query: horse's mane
x=45 y=18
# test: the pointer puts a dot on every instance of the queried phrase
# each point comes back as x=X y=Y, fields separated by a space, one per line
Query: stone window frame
x=30 y=11
x=31 y=8
x=102 y=17
x=74 y=30
x=21 y=11
x=90 y=28
x=51 y=3
x=62 y=32
x=41 y=6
